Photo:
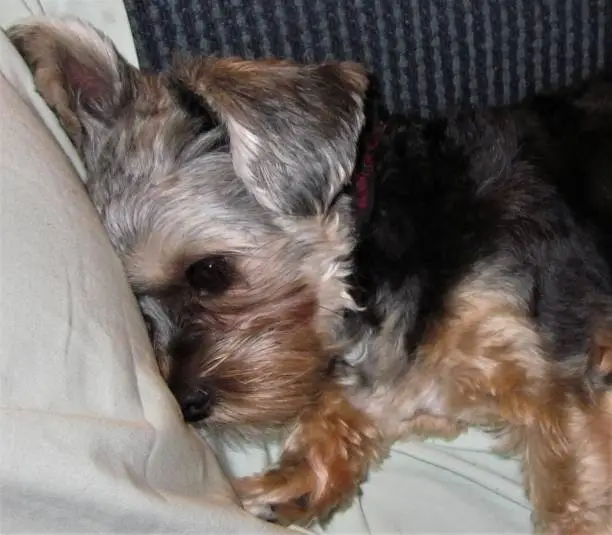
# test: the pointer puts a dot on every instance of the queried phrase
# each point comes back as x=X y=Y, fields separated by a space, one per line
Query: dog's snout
x=196 y=401
x=195 y=396
x=185 y=345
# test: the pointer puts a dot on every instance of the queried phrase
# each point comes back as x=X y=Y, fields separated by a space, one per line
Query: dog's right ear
x=77 y=71
x=293 y=128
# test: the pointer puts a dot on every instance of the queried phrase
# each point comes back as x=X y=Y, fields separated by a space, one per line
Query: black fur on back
x=531 y=184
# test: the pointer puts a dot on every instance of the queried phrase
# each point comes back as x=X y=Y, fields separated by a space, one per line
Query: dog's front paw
x=284 y=494
x=323 y=464
x=292 y=495
x=263 y=512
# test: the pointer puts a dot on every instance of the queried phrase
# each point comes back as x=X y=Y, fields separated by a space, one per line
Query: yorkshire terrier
x=305 y=261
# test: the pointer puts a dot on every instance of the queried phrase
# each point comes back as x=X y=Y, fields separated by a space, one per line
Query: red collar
x=363 y=179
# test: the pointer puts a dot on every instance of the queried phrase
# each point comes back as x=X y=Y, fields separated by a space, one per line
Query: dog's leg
x=491 y=362
x=567 y=457
x=324 y=460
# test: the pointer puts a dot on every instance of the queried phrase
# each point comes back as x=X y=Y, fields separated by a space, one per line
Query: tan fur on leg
x=568 y=466
x=324 y=461
x=485 y=365
x=562 y=431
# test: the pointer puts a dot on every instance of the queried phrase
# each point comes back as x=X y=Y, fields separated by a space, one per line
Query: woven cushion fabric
x=429 y=55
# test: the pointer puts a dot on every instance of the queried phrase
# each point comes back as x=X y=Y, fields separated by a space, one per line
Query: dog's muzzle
x=196 y=400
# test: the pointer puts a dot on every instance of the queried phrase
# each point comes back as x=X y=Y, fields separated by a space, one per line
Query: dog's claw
x=267 y=498
x=266 y=513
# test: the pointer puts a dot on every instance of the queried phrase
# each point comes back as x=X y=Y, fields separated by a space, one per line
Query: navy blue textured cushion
x=428 y=54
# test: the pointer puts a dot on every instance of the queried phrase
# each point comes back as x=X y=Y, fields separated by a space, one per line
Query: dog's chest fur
x=480 y=197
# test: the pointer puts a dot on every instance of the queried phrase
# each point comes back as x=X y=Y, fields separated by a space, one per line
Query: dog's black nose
x=196 y=403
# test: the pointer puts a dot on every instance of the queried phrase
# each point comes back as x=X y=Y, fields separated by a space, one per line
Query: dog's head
x=218 y=184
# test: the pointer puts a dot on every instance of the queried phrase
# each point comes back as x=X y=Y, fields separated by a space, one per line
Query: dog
x=306 y=261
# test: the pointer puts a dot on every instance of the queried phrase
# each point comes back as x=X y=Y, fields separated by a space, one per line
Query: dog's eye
x=212 y=274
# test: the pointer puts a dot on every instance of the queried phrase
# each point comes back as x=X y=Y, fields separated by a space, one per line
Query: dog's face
x=216 y=183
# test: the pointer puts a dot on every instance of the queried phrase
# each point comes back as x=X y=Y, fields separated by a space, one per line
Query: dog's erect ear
x=77 y=70
x=293 y=128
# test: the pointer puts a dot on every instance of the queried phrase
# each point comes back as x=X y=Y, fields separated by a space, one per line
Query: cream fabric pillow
x=107 y=15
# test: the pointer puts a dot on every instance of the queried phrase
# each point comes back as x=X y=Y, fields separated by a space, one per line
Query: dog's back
x=577 y=127
x=579 y=123
x=572 y=140
x=524 y=191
